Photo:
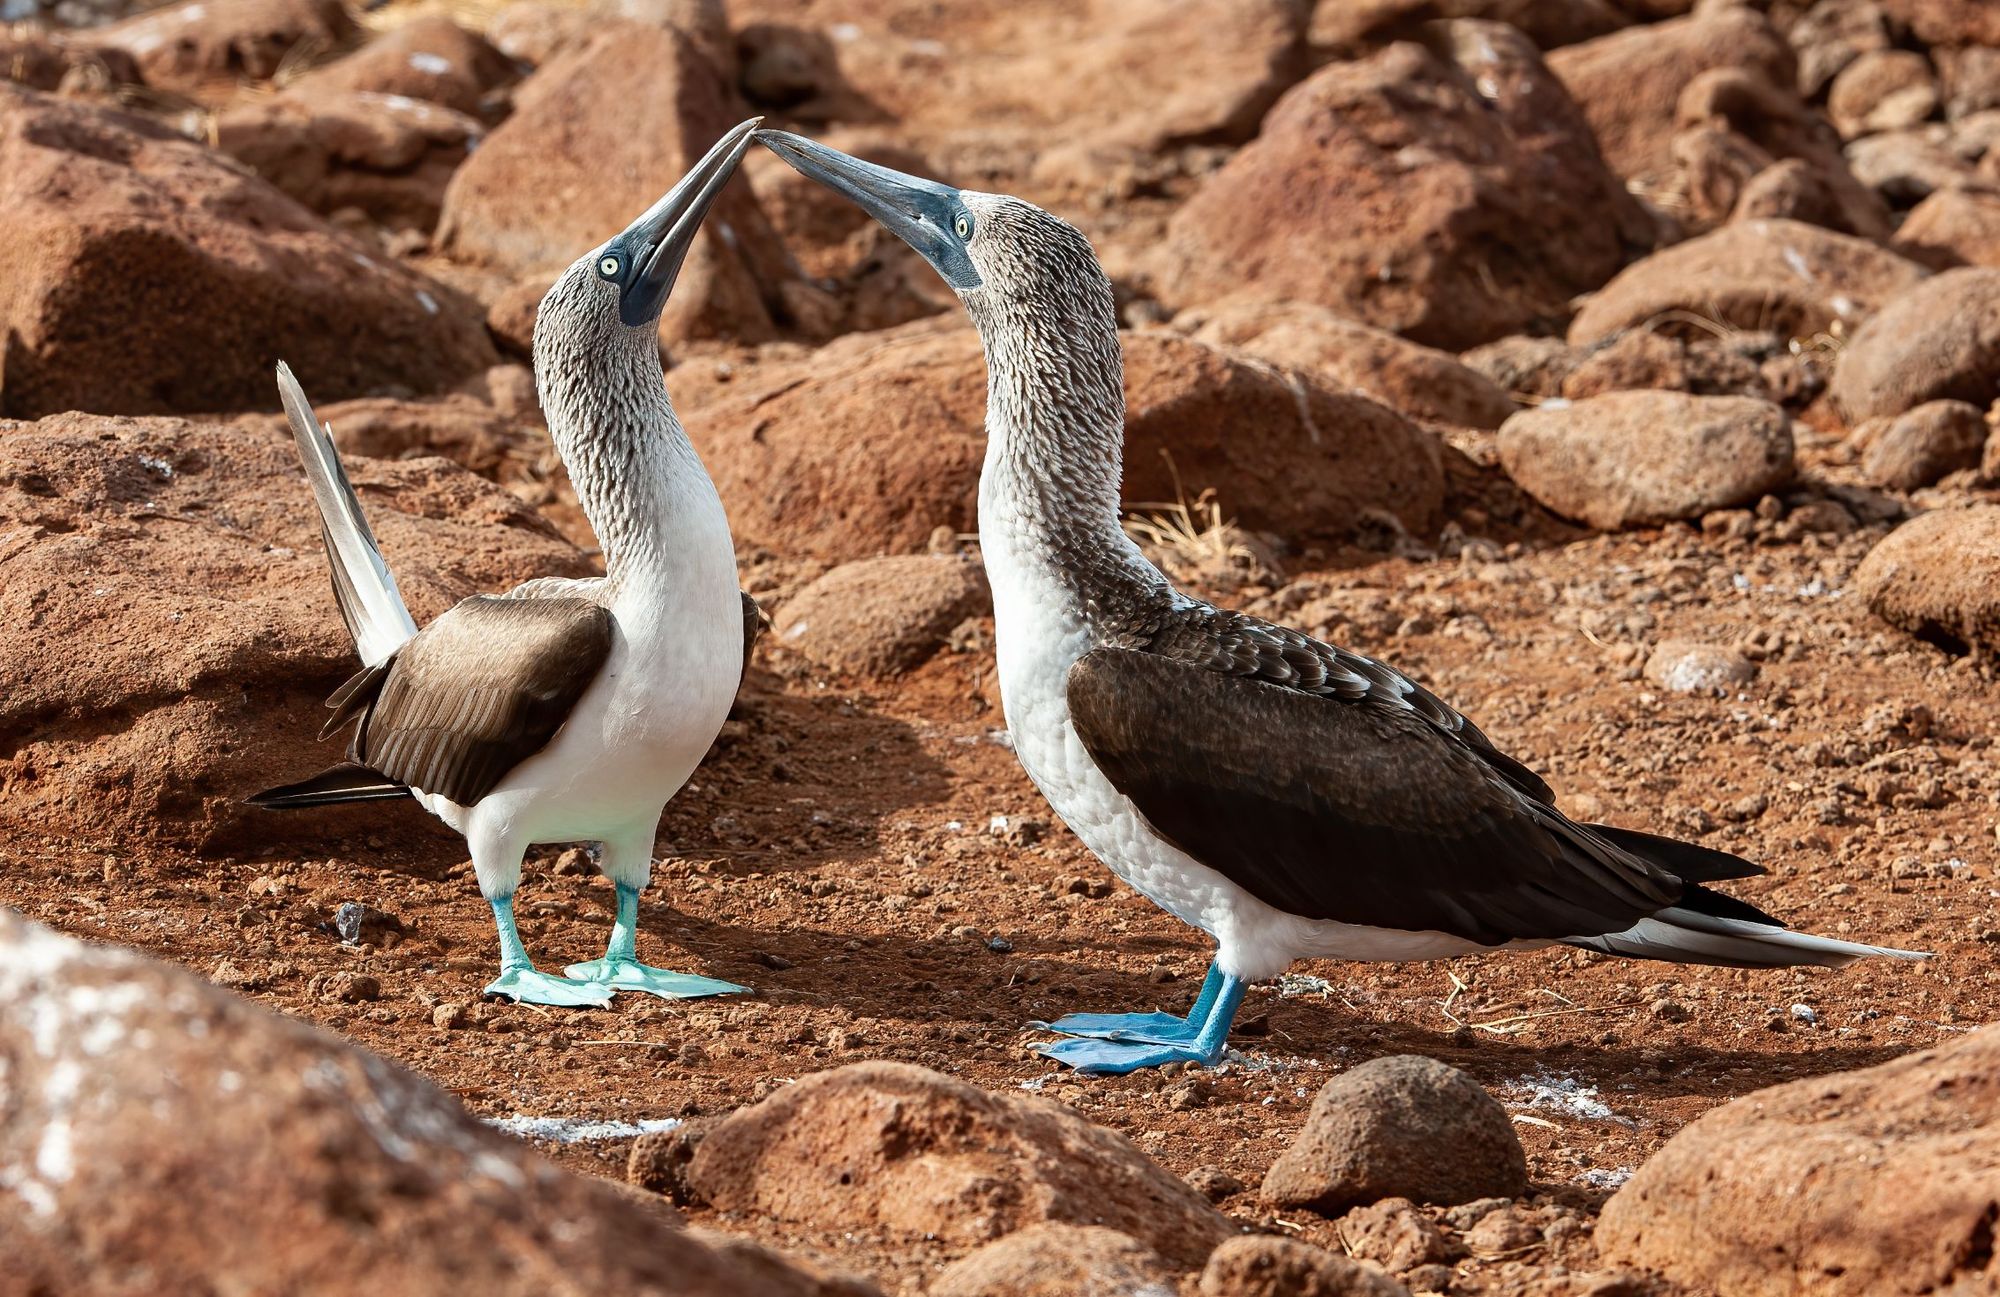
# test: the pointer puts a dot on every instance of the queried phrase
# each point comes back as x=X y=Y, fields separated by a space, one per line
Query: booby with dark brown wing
x=1290 y=798
x=563 y=710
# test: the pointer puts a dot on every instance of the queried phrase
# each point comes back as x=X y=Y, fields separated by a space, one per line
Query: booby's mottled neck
x=1055 y=434
x=636 y=475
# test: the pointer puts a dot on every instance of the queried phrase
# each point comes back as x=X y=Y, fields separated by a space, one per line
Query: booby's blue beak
x=645 y=259
x=930 y=217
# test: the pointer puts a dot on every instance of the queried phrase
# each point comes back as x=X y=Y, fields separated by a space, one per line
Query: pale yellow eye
x=962 y=226
x=608 y=266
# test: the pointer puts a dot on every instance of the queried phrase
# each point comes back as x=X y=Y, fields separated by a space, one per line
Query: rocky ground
x=1622 y=369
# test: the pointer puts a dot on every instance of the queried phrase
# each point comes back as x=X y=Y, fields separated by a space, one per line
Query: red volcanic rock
x=1938 y=340
x=1938 y=577
x=389 y=156
x=1058 y=1261
x=1921 y=445
x=1399 y=1127
x=430 y=58
x=896 y=1148
x=1642 y=458
x=192 y=46
x=1629 y=83
x=1452 y=194
x=1876 y=1183
x=1414 y=380
x=597 y=135
x=1781 y=276
x=169 y=578
x=165 y=1136
x=1264 y=1266
x=1883 y=90
x=880 y=617
x=127 y=244
x=1953 y=227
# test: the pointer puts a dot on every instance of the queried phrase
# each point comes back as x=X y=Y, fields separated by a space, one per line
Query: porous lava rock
x=1510 y=213
x=1687 y=667
x=126 y=241
x=1781 y=276
x=572 y=167
x=1921 y=445
x=429 y=58
x=1938 y=577
x=1883 y=90
x=1057 y=1260
x=460 y=427
x=208 y=45
x=1953 y=227
x=387 y=156
x=897 y=1148
x=1643 y=458
x=1401 y=1126
x=1629 y=83
x=164 y=601
x=1414 y=380
x=1940 y=340
x=881 y=617
x=1877 y=1182
x=165 y=1136
x=873 y=442
x=1264 y=1266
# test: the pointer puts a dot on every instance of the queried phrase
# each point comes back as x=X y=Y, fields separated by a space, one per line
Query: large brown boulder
x=1946 y=22
x=1101 y=73
x=1940 y=340
x=1643 y=458
x=1629 y=83
x=164 y=1136
x=1938 y=577
x=597 y=135
x=1410 y=378
x=206 y=46
x=1953 y=227
x=873 y=442
x=1778 y=276
x=880 y=617
x=1878 y=1182
x=1399 y=1127
x=142 y=274
x=1058 y=1261
x=430 y=58
x=1921 y=445
x=166 y=581
x=1450 y=192
x=387 y=156
x=896 y=1148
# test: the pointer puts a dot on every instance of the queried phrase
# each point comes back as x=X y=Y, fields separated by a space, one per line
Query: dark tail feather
x=1684 y=860
x=346 y=782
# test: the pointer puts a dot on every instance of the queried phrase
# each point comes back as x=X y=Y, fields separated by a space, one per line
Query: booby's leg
x=497 y=861
x=520 y=980
x=1117 y=1057
x=1157 y=1028
x=628 y=862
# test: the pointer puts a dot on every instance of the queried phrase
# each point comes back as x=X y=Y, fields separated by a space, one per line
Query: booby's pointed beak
x=924 y=214
x=657 y=243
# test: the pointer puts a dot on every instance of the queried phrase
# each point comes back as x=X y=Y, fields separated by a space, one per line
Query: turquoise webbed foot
x=1112 y=1044
x=1117 y=1057
x=1154 y=1028
x=631 y=975
x=532 y=986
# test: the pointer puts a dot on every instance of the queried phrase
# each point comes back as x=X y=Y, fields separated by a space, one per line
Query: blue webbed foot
x=1153 y=1028
x=1117 y=1057
x=631 y=975
x=532 y=986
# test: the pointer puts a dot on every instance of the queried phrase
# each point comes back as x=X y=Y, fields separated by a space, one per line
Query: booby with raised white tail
x=1290 y=798
x=563 y=710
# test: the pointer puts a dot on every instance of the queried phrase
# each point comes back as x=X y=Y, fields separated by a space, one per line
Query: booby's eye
x=962 y=227
x=608 y=267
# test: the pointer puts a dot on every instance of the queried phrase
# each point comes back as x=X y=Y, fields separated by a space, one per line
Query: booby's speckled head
x=629 y=277
x=998 y=252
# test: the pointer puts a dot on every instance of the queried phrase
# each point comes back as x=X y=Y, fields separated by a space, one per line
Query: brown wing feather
x=1360 y=809
x=476 y=692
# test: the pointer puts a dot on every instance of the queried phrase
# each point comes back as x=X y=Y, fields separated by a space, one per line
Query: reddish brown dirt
x=835 y=853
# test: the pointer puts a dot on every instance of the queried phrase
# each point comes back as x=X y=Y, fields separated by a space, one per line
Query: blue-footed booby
x=563 y=710
x=1290 y=798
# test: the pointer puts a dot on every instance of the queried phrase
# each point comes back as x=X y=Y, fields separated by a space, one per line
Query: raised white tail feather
x=370 y=604
x=1686 y=937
